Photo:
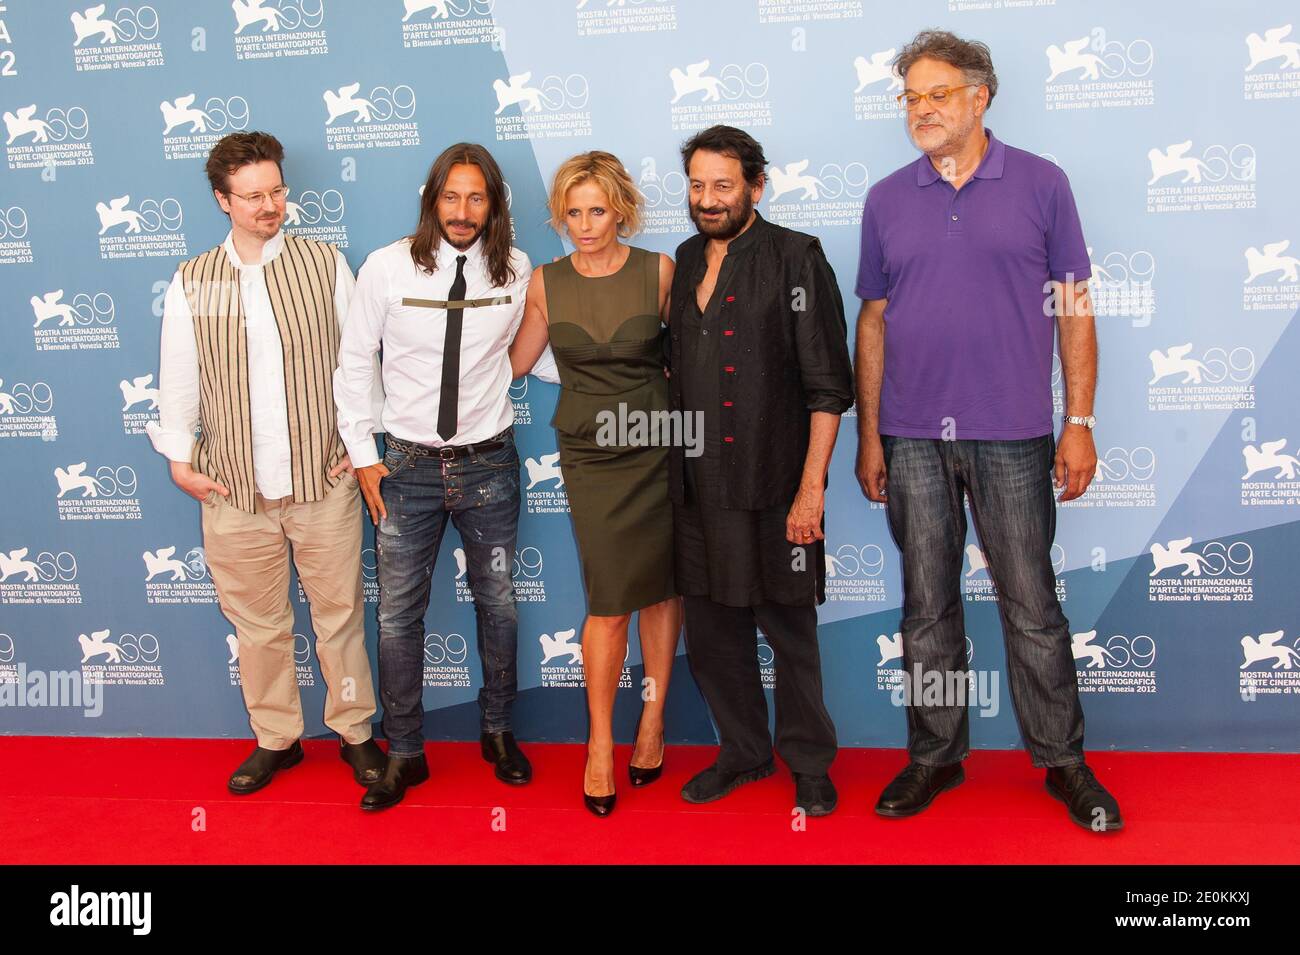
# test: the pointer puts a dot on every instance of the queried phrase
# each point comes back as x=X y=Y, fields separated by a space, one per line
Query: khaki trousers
x=248 y=557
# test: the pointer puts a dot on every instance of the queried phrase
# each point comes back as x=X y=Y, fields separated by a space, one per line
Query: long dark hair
x=496 y=233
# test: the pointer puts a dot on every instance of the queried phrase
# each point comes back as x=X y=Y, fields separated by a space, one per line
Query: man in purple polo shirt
x=971 y=257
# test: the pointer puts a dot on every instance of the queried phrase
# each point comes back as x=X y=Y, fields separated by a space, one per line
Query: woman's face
x=592 y=223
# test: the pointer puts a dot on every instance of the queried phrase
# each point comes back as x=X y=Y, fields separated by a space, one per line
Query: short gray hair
x=972 y=57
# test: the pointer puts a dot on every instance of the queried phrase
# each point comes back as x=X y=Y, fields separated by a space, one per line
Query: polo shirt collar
x=990 y=166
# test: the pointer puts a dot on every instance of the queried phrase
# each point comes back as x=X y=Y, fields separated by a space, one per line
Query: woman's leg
x=659 y=626
x=604 y=648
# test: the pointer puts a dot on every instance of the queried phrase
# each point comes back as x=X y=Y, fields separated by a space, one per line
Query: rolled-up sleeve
x=356 y=380
x=821 y=337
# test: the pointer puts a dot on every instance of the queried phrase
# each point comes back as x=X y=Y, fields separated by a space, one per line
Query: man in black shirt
x=759 y=350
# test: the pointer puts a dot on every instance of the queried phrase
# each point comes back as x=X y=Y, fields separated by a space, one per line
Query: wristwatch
x=1089 y=422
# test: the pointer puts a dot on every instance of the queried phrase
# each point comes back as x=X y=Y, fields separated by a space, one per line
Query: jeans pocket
x=502 y=459
x=396 y=462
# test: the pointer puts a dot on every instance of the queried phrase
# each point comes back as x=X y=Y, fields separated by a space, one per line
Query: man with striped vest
x=250 y=338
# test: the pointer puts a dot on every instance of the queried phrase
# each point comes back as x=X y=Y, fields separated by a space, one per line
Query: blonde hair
x=605 y=170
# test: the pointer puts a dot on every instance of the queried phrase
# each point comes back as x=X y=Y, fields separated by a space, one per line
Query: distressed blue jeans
x=1009 y=486
x=480 y=493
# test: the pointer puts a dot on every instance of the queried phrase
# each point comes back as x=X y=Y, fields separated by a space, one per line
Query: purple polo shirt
x=966 y=273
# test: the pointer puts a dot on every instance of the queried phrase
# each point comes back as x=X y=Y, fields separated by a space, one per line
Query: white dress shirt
x=412 y=337
x=178 y=371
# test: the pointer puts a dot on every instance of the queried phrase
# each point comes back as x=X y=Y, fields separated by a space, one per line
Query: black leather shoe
x=599 y=805
x=1090 y=805
x=915 y=788
x=366 y=759
x=256 y=771
x=715 y=783
x=815 y=795
x=512 y=765
x=399 y=773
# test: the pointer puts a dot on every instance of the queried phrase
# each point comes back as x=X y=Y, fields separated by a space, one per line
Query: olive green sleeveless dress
x=606 y=338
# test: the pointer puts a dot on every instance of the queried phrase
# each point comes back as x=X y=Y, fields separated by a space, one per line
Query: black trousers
x=722 y=646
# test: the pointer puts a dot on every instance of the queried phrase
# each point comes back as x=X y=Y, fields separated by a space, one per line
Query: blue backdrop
x=1176 y=122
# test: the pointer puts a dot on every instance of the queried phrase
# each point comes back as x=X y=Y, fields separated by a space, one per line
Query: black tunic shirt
x=727 y=548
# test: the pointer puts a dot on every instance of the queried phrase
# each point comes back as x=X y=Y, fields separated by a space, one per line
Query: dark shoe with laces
x=915 y=788
x=1087 y=800
x=366 y=759
x=258 y=770
x=400 y=773
x=815 y=795
x=714 y=783
x=511 y=765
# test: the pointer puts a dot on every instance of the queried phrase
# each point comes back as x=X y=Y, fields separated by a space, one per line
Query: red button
x=726 y=404
x=729 y=368
x=728 y=439
x=728 y=332
x=731 y=298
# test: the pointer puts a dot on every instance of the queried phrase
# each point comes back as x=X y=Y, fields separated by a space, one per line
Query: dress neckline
x=617 y=271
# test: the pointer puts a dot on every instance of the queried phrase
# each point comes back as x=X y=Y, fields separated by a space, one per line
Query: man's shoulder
x=898 y=183
x=386 y=257
x=790 y=241
x=692 y=247
x=190 y=266
x=1040 y=169
x=520 y=262
x=327 y=249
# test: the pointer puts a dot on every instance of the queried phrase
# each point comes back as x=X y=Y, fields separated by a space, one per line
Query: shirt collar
x=447 y=253
x=748 y=237
x=270 y=249
x=990 y=166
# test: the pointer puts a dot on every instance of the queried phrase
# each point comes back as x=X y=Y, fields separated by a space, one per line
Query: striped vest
x=300 y=283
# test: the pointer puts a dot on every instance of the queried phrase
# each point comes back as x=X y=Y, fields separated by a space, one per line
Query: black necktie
x=451 y=356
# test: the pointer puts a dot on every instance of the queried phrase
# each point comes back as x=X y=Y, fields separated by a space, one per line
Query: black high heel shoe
x=644 y=775
x=597 y=805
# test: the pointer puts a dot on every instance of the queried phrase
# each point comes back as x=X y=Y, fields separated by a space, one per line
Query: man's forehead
x=931 y=72
x=713 y=166
x=256 y=174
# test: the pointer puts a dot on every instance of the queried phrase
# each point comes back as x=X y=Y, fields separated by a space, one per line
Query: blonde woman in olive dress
x=601 y=309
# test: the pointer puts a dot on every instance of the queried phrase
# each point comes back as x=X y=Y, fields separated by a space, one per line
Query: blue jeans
x=1009 y=486
x=480 y=492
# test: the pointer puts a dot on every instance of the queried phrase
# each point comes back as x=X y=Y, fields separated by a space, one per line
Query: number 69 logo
x=453 y=648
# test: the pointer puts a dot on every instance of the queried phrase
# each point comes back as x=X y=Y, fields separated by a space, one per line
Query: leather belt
x=450 y=452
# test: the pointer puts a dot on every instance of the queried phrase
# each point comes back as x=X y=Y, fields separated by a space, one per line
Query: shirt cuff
x=364 y=454
x=172 y=445
x=868 y=293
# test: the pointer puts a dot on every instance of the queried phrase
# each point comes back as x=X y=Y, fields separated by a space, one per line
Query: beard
x=730 y=224
x=954 y=134
x=461 y=244
x=267 y=226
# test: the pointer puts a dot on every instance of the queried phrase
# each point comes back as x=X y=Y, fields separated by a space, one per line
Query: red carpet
x=134 y=801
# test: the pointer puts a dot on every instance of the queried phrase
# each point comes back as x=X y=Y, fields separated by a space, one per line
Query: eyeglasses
x=935 y=97
x=255 y=199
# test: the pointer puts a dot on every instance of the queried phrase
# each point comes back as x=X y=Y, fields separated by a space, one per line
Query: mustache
x=461 y=223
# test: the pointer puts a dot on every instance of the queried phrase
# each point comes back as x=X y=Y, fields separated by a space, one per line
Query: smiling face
x=591 y=222
x=721 y=201
x=258 y=219
x=942 y=129
x=463 y=205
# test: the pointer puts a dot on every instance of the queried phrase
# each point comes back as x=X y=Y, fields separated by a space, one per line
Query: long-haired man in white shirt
x=444 y=304
x=249 y=342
